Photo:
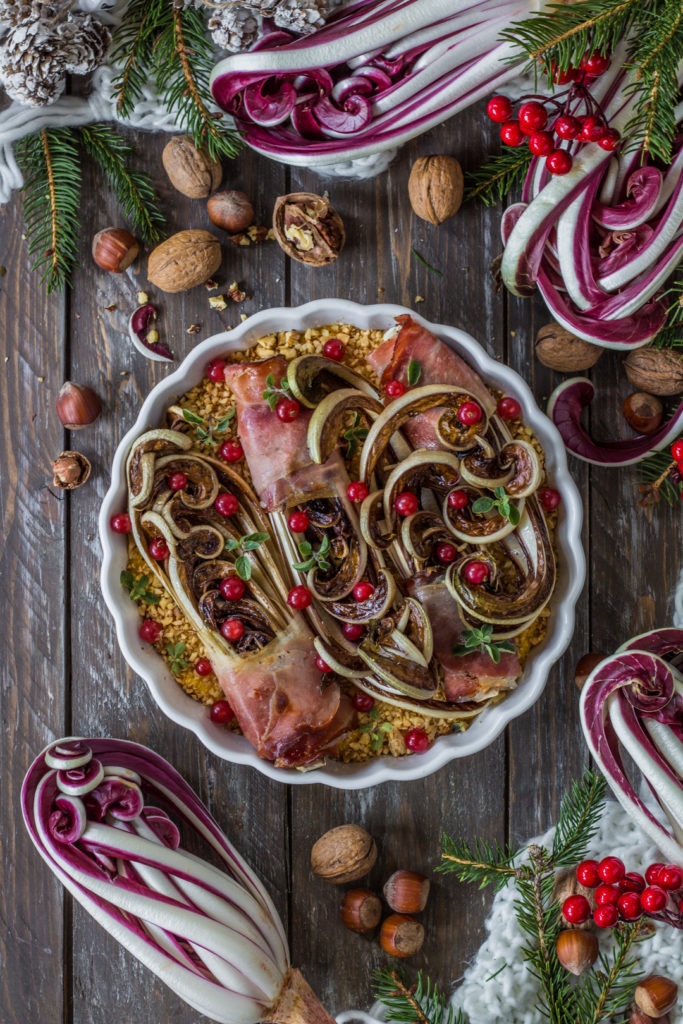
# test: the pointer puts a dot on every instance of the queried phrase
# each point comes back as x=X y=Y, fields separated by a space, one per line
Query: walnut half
x=308 y=228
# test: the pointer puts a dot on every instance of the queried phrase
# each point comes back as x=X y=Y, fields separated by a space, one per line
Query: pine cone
x=304 y=16
x=234 y=28
x=83 y=42
x=31 y=69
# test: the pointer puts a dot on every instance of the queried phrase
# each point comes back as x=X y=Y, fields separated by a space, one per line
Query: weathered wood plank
x=33 y=655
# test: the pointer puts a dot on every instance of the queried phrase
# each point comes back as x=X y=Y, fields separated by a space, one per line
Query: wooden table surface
x=63 y=674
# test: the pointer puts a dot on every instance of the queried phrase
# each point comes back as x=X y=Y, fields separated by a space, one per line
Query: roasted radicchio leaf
x=145 y=337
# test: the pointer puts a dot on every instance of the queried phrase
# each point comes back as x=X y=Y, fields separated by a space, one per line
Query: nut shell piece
x=184 y=260
x=435 y=187
x=344 y=854
x=308 y=228
x=192 y=171
x=560 y=350
x=70 y=470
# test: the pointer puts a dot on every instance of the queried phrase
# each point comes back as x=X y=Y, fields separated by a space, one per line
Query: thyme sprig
x=312 y=557
x=376 y=729
x=480 y=639
x=272 y=393
x=175 y=653
x=138 y=589
x=249 y=542
x=206 y=430
x=501 y=504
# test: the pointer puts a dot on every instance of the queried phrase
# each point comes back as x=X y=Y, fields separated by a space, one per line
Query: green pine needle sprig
x=578 y=820
x=133 y=50
x=483 y=862
x=51 y=164
x=421 y=1003
x=503 y=174
x=133 y=188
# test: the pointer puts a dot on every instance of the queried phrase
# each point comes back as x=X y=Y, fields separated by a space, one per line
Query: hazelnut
x=191 y=170
x=576 y=950
x=401 y=935
x=230 y=210
x=585 y=666
x=656 y=995
x=435 y=187
x=638 y=1017
x=77 y=406
x=308 y=228
x=344 y=854
x=643 y=412
x=114 y=249
x=70 y=470
x=406 y=892
x=560 y=350
x=361 y=911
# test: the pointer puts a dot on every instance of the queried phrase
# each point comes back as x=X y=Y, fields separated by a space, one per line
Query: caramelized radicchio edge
x=395 y=661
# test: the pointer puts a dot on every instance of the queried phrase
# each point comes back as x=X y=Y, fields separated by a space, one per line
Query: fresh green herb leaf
x=414 y=371
x=273 y=394
x=175 y=652
x=138 y=588
x=312 y=558
x=223 y=424
x=231 y=544
x=354 y=435
x=482 y=505
x=243 y=566
x=192 y=417
x=481 y=639
x=424 y=263
x=501 y=503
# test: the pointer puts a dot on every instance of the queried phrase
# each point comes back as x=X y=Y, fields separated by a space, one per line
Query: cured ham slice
x=466 y=677
x=276 y=452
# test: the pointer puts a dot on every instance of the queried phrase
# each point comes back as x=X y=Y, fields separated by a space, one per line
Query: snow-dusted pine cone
x=31 y=68
x=233 y=28
x=303 y=16
x=83 y=42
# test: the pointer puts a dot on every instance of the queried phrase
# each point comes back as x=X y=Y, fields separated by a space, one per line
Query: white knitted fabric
x=497 y=987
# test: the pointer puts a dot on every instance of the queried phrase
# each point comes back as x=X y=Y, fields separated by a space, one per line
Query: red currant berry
x=121 y=523
x=629 y=906
x=511 y=134
x=287 y=409
x=576 y=909
x=469 y=413
x=562 y=77
x=395 y=389
x=446 y=553
x=587 y=873
x=226 y=503
x=231 y=451
x=549 y=498
x=595 y=65
x=177 y=481
x=508 y=408
x=353 y=630
x=416 y=740
x=458 y=499
x=232 y=588
x=357 y=491
x=559 y=162
x=362 y=701
x=321 y=664
x=499 y=109
x=541 y=143
x=670 y=877
x=610 y=139
x=299 y=597
x=150 y=631
x=652 y=873
x=567 y=127
x=606 y=916
x=611 y=869
x=221 y=713
x=158 y=548
x=476 y=572
x=202 y=667
x=677 y=450
x=592 y=128
x=606 y=894
x=631 y=882
x=334 y=349
x=406 y=503
x=532 y=117
x=298 y=522
x=215 y=371
x=653 y=899
x=362 y=591
x=232 y=629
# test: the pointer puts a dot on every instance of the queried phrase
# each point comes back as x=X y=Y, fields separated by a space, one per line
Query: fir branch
x=421 y=1003
x=52 y=197
x=133 y=49
x=483 y=862
x=609 y=991
x=501 y=175
x=183 y=56
x=671 y=334
x=133 y=189
x=659 y=478
x=578 y=821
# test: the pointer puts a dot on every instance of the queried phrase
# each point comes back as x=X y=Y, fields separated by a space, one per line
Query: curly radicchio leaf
x=139 y=327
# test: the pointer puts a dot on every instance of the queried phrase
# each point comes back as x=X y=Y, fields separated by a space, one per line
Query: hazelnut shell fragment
x=70 y=470
x=406 y=892
x=401 y=935
x=190 y=170
x=308 y=228
x=361 y=911
x=344 y=854
x=230 y=210
x=435 y=187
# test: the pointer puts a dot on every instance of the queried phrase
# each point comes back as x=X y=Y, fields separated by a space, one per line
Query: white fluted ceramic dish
x=170 y=697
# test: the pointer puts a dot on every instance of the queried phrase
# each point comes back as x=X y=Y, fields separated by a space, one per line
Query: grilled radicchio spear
x=101 y=814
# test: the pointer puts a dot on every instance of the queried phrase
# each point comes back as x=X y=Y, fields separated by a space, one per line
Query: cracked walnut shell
x=344 y=854
x=184 y=260
x=308 y=228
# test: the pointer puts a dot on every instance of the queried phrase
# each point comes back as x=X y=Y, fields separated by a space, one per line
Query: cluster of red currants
x=677 y=456
x=623 y=895
x=534 y=123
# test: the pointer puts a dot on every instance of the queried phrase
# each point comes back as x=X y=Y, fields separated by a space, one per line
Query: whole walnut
x=184 y=260
x=560 y=350
x=659 y=371
x=344 y=854
x=192 y=171
x=435 y=187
